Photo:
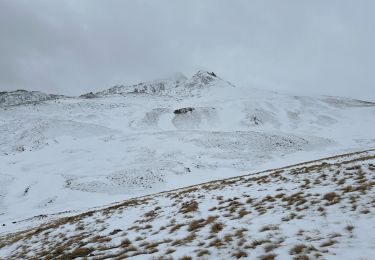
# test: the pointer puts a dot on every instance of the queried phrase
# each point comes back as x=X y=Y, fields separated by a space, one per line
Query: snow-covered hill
x=316 y=210
x=71 y=154
x=178 y=86
x=19 y=97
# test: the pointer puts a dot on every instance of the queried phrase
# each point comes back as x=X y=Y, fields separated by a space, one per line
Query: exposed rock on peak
x=202 y=79
x=88 y=95
x=19 y=97
x=157 y=87
x=177 y=85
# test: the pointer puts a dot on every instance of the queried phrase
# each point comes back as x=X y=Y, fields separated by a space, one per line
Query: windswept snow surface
x=71 y=154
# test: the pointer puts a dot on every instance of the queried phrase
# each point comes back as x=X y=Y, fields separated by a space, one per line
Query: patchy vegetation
x=316 y=210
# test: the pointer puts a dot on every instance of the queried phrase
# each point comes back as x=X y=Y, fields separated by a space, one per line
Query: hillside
x=322 y=209
x=73 y=154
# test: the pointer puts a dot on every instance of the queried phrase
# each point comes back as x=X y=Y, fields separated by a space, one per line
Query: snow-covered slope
x=71 y=154
x=316 y=210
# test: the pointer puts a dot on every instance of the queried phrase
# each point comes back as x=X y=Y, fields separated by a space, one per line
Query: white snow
x=67 y=155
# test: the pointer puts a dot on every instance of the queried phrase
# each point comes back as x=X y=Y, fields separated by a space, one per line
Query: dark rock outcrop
x=19 y=97
x=183 y=110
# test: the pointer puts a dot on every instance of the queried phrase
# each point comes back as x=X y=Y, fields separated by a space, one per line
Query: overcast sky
x=76 y=46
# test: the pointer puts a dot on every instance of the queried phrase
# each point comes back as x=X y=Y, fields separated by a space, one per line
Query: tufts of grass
x=242 y=213
x=270 y=247
x=196 y=224
x=81 y=252
x=126 y=242
x=217 y=227
x=302 y=257
x=328 y=243
x=188 y=207
x=268 y=257
x=349 y=228
x=176 y=227
x=211 y=219
x=239 y=254
x=170 y=251
x=228 y=238
x=203 y=252
x=216 y=243
x=258 y=242
x=331 y=197
x=297 y=249
x=268 y=227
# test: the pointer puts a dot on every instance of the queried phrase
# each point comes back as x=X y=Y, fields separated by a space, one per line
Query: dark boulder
x=183 y=110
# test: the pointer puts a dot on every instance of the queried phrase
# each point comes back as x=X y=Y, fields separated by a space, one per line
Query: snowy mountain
x=60 y=156
x=178 y=85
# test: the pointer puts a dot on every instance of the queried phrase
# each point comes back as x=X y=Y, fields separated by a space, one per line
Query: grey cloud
x=75 y=46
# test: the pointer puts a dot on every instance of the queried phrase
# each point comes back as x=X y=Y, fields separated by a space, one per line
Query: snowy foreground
x=316 y=210
x=61 y=156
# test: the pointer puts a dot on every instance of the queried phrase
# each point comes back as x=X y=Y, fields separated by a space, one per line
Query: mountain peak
x=203 y=77
x=201 y=73
x=176 y=85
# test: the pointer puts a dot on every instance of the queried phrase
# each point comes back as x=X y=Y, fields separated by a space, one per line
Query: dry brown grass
x=100 y=239
x=329 y=242
x=240 y=254
x=184 y=241
x=258 y=242
x=242 y=213
x=270 y=247
x=203 y=252
x=125 y=242
x=216 y=243
x=349 y=228
x=150 y=214
x=268 y=228
x=211 y=219
x=176 y=227
x=332 y=197
x=301 y=257
x=170 y=251
x=347 y=189
x=297 y=249
x=217 y=227
x=360 y=187
x=196 y=224
x=189 y=206
x=249 y=201
x=268 y=257
x=81 y=252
